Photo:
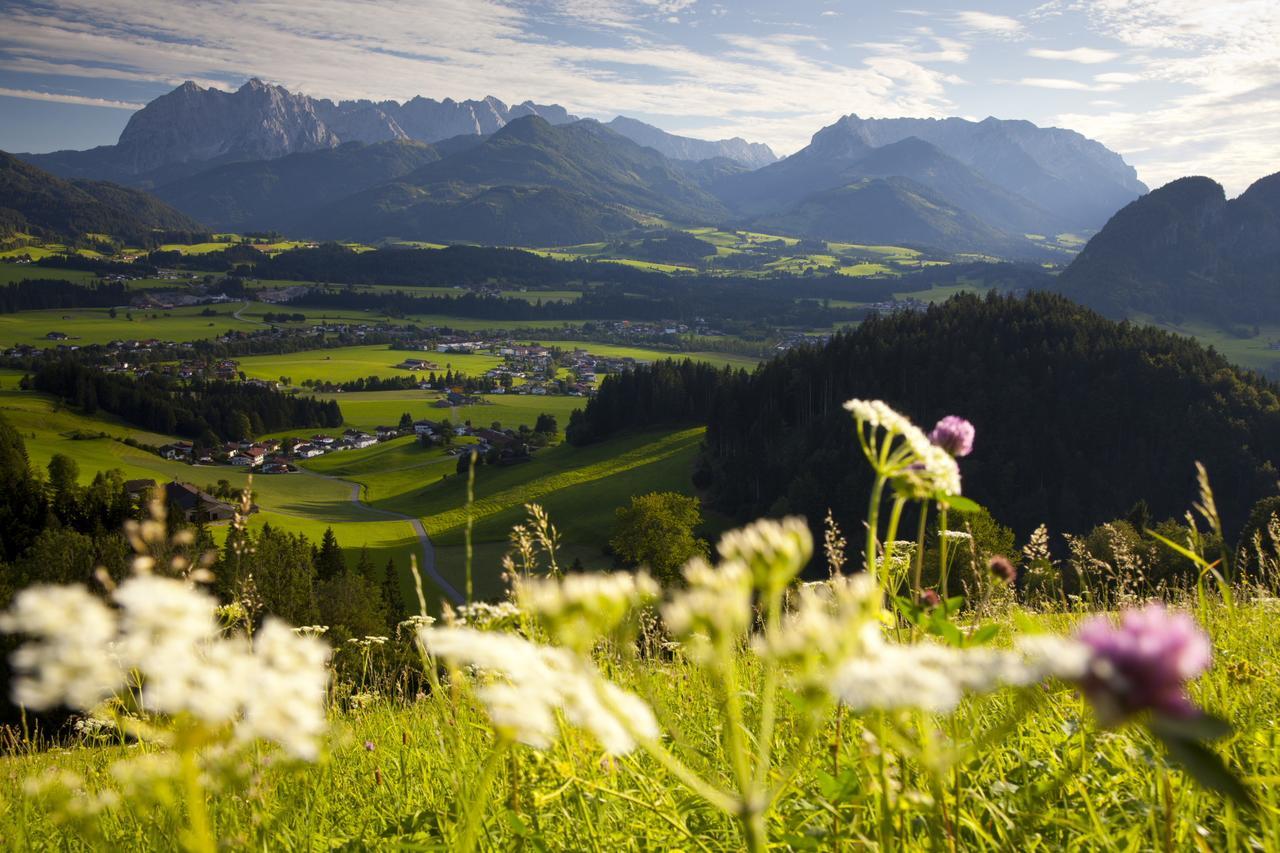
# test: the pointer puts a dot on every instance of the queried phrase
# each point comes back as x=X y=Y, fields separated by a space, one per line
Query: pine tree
x=391 y=596
x=329 y=559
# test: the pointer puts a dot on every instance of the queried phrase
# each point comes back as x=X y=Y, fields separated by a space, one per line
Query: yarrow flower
x=953 y=434
x=67 y=661
x=580 y=608
x=917 y=467
x=523 y=685
x=774 y=551
x=713 y=609
x=165 y=632
x=933 y=677
x=1144 y=663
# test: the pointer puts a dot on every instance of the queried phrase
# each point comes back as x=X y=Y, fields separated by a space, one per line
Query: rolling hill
x=567 y=184
x=36 y=202
x=892 y=210
x=265 y=194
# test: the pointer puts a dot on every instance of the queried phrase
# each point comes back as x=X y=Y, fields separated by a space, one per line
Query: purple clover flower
x=1003 y=569
x=1144 y=663
x=953 y=434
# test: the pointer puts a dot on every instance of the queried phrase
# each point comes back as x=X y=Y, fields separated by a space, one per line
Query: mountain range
x=479 y=171
x=1185 y=251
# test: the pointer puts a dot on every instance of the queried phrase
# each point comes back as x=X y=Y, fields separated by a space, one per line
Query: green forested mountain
x=892 y=210
x=1184 y=252
x=267 y=194
x=34 y=201
x=531 y=183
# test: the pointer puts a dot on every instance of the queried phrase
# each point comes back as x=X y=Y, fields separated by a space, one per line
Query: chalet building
x=195 y=504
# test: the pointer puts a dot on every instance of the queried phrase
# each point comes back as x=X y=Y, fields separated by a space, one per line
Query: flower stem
x=199 y=833
x=873 y=524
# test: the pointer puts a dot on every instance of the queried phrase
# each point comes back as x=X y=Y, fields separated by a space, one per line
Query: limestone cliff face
x=191 y=123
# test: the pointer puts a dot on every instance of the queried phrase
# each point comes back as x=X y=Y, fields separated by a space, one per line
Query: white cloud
x=32 y=95
x=1221 y=58
x=989 y=24
x=1083 y=55
x=1118 y=77
x=1056 y=83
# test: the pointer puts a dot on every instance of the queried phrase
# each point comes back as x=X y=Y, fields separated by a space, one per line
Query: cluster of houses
x=272 y=456
x=526 y=368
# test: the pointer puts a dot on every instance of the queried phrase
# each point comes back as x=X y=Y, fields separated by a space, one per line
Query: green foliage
x=283 y=575
x=329 y=560
x=352 y=606
x=657 y=532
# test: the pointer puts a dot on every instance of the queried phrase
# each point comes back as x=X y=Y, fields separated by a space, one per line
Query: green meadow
x=344 y=364
x=370 y=409
x=581 y=488
x=97 y=326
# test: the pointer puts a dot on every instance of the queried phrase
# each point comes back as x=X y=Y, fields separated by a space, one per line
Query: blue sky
x=1177 y=86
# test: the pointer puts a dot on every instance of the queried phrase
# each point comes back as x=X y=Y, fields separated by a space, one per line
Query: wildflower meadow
x=751 y=704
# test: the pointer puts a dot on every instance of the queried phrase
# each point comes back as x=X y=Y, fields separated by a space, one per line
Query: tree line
x=36 y=295
x=207 y=411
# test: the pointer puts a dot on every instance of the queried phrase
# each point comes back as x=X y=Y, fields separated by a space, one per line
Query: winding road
x=428 y=550
x=245 y=319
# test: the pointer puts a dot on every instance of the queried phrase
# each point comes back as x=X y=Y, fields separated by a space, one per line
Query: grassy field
x=370 y=409
x=1253 y=352
x=580 y=487
x=96 y=326
x=10 y=273
x=647 y=354
x=347 y=363
x=1003 y=772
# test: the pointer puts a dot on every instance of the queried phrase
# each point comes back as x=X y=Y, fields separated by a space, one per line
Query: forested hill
x=1186 y=252
x=1078 y=417
x=35 y=202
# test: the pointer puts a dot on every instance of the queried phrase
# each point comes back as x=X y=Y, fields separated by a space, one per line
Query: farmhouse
x=195 y=504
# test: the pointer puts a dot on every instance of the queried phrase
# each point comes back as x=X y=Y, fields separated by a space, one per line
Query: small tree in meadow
x=657 y=531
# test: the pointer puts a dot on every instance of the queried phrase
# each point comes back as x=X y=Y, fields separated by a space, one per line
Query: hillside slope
x=265 y=194
x=37 y=202
x=1186 y=252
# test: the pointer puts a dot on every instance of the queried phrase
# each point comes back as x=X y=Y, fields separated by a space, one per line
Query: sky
x=1178 y=87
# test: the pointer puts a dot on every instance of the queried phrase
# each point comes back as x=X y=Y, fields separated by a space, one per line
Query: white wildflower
x=775 y=551
x=924 y=469
x=525 y=684
x=580 y=608
x=67 y=661
x=831 y=622
x=287 y=702
x=713 y=610
x=482 y=614
x=412 y=624
x=934 y=677
x=877 y=413
x=162 y=617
